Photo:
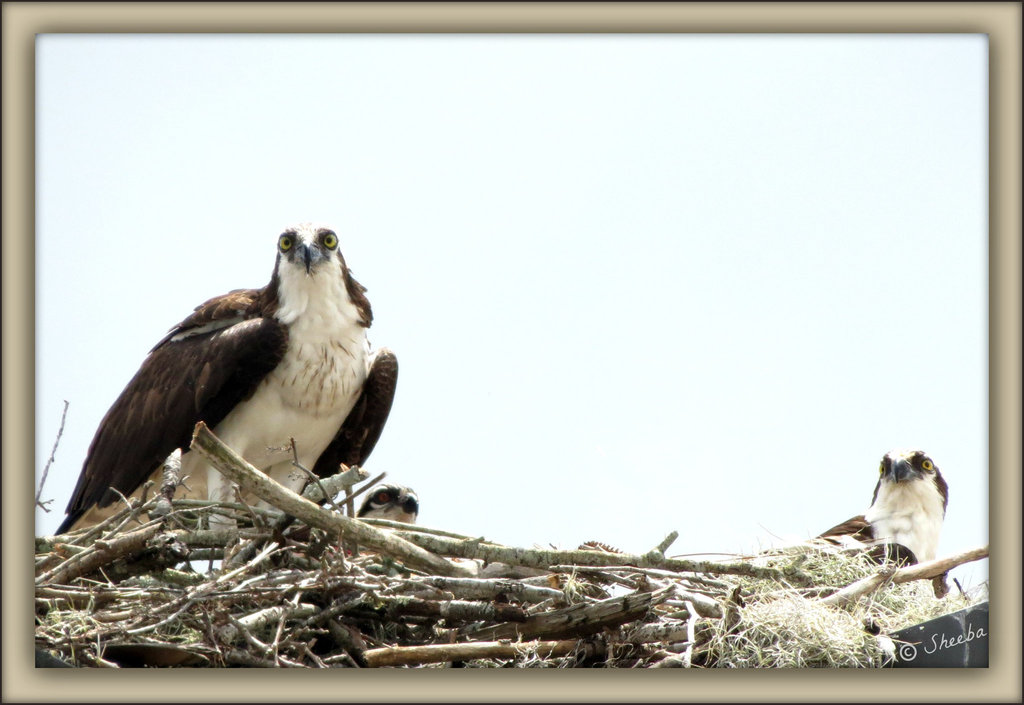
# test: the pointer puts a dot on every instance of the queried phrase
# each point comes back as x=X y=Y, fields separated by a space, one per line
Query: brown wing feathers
x=857 y=528
x=236 y=305
x=201 y=377
x=362 y=427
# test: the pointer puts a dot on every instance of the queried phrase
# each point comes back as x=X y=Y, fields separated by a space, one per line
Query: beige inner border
x=22 y=20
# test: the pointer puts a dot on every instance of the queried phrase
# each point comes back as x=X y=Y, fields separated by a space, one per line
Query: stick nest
x=328 y=591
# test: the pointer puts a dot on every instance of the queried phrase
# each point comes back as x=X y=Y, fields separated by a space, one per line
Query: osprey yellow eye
x=881 y=468
x=285 y=243
x=330 y=241
x=927 y=465
x=383 y=497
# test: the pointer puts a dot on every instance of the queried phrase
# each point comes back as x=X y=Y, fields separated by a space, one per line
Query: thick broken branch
x=171 y=480
x=236 y=469
x=543 y=558
x=335 y=484
x=99 y=554
x=579 y=620
x=483 y=589
x=920 y=571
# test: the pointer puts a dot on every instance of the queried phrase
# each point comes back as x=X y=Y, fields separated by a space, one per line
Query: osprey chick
x=907 y=509
x=392 y=502
x=261 y=367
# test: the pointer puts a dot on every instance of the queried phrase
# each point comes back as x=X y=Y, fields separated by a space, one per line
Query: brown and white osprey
x=906 y=512
x=260 y=367
x=392 y=502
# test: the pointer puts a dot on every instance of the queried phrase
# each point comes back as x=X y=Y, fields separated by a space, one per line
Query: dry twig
x=53 y=453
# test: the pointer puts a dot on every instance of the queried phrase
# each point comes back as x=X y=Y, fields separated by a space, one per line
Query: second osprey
x=261 y=367
x=906 y=512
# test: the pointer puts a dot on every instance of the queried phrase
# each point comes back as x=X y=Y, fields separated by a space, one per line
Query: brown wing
x=227 y=349
x=220 y=311
x=362 y=427
x=857 y=528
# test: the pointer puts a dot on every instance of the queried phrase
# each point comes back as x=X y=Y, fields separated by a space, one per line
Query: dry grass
x=789 y=627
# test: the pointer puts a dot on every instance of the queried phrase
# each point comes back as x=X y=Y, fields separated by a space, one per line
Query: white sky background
x=635 y=284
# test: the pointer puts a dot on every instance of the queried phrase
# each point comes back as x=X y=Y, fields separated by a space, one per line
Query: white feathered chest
x=316 y=384
x=909 y=514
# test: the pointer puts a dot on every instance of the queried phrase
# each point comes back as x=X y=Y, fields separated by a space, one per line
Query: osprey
x=261 y=367
x=392 y=502
x=906 y=512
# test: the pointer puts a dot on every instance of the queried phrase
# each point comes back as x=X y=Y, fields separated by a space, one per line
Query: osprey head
x=901 y=467
x=310 y=274
x=392 y=502
x=308 y=247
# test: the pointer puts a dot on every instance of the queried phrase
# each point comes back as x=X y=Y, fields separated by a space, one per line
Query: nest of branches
x=307 y=586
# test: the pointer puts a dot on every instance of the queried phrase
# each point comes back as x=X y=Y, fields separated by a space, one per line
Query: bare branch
x=312 y=477
x=920 y=571
x=99 y=554
x=53 y=453
x=668 y=541
x=541 y=558
x=331 y=486
x=578 y=620
x=171 y=480
x=235 y=468
x=483 y=589
x=439 y=653
x=264 y=618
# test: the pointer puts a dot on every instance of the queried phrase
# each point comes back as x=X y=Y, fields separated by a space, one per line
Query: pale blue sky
x=635 y=283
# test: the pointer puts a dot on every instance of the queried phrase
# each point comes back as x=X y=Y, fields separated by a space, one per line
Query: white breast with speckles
x=308 y=395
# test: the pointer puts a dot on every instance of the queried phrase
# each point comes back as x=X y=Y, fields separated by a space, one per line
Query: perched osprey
x=906 y=511
x=261 y=367
x=392 y=502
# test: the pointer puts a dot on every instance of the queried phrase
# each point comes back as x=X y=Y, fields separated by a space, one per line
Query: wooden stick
x=934 y=568
x=691 y=635
x=236 y=469
x=191 y=596
x=53 y=453
x=404 y=528
x=920 y=571
x=706 y=606
x=663 y=632
x=265 y=617
x=171 y=480
x=439 y=653
x=668 y=541
x=488 y=589
x=99 y=554
x=542 y=558
x=578 y=620
x=334 y=484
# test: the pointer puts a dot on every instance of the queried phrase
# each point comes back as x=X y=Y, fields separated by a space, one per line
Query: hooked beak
x=310 y=256
x=901 y=470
